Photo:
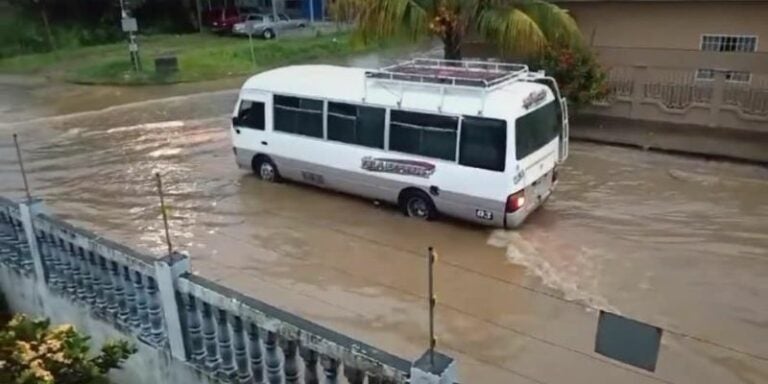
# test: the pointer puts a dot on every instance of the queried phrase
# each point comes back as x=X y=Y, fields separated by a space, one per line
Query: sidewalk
x=677 y=138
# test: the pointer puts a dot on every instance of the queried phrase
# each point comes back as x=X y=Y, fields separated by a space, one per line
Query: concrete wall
x=188 y=329
x=148 y=365
x=652 y=51
x=667 y=24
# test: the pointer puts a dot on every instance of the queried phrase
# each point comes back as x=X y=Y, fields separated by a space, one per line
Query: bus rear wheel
x=265 y=169
x=417 y=204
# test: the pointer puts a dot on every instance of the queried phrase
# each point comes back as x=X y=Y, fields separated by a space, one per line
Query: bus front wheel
x=417 y=204
x=265 y=169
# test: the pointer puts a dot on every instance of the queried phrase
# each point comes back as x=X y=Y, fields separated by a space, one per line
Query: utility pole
x=432 y=257
x=164 y=212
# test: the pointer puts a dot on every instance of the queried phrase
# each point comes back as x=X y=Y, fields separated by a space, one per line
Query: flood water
x=680 y=243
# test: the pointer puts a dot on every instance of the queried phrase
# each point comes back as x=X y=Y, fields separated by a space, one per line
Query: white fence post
x=167 y=270
x=27 y=211
x=639 y=80
x=438 y=369
x=718 y=89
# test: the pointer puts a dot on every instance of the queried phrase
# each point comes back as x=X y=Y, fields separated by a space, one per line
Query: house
x=686 y=62
x=699 y=35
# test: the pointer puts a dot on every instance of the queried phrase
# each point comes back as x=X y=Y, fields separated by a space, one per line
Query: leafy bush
x=33 y=353
x=581 y=79
x=20 y=34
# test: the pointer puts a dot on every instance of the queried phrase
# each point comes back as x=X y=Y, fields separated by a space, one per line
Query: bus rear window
x=536 y=129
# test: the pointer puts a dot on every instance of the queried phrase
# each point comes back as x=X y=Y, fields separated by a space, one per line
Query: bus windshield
x=536 y=129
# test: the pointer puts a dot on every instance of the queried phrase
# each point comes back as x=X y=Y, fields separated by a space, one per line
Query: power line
x=468 y=314
x=363 y=315
x=519 y=285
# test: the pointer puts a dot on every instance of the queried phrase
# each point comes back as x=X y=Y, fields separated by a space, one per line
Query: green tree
x=524 y=27
x=581 y=79
x=33 y=353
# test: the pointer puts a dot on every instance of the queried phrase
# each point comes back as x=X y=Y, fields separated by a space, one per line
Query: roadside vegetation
x=200 y=56
x=535 y=32
x=33 y=352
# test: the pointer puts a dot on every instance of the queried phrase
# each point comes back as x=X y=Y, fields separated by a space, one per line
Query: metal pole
x=165 y=214
x=274 y=10
x=134 y=49
x=21 y=165
x=250 y=42
x=432 y=301
x=199 y=16
x=311 y=11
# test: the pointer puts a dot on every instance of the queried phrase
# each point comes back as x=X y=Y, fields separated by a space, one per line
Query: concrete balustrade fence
x=675 y=95
x=203 y=332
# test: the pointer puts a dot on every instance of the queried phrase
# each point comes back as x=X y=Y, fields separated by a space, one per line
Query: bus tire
x=265 y=169
x=417 y=204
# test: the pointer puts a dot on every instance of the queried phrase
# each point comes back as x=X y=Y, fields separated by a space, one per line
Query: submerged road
x=677 y=242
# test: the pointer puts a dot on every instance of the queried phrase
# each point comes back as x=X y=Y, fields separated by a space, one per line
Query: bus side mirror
x=236 y=124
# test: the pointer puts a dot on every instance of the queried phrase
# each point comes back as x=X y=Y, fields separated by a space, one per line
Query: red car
x=222 y=19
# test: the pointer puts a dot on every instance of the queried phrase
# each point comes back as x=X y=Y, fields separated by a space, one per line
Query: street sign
x=129 y=24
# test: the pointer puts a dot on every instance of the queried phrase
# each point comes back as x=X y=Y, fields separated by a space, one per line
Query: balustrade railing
x=113 y=282
x=240 y=339
x=224 y=333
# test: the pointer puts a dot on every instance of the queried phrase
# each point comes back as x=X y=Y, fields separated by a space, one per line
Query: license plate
x=543 y=185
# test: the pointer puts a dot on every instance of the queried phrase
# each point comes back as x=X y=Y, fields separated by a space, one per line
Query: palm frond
x=511 y=30
x=383 y=19
x=556 y=23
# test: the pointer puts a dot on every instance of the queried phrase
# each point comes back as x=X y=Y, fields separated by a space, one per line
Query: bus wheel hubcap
x=417 y=207
x=267 y=172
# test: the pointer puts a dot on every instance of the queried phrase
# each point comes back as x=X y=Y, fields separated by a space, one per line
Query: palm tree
x=511 y=26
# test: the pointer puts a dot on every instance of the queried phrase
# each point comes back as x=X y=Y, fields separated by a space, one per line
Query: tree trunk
x=47 y=27
x=452 y=46
x=190 y=9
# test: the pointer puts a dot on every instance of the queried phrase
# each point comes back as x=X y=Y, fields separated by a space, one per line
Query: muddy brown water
x=677 y=242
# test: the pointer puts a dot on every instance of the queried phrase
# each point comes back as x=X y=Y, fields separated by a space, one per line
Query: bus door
x=562 y=111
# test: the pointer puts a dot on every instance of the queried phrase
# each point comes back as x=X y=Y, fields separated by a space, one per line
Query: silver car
x=266 y=26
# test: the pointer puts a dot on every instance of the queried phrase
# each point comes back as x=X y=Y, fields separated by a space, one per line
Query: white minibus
x=479 y=141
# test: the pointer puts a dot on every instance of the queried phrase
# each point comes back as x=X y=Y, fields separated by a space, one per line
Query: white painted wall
x=148 y=366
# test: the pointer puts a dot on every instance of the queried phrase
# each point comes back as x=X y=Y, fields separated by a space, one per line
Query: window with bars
x=729 y=43
x=707 y=74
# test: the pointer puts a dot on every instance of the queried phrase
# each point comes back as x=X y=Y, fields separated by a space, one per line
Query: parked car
x=266 y=26
x=221 y=20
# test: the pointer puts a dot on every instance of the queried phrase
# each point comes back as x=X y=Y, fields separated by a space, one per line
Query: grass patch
x=200 y=56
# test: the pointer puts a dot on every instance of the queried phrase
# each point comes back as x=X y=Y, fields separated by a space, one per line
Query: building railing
x=675 y=95
x=230 y=336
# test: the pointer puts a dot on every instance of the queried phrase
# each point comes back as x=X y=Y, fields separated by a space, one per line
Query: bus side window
x=298 y=115
x=356 y=124
x=423 y=134
x=251 y=115
x=483 y=143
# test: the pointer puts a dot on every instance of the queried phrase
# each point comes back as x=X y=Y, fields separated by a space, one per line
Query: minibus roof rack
x=485 y=75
